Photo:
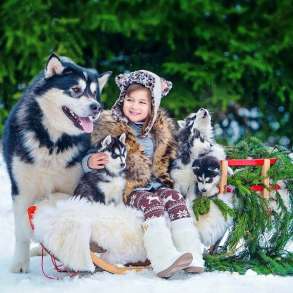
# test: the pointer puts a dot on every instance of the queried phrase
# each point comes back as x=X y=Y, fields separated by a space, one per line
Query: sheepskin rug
x=67 y=226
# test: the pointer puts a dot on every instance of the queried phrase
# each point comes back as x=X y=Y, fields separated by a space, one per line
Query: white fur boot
x=186 y=238
x=160 y=249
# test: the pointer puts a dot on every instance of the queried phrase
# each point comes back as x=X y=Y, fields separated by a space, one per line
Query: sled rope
x=58 y=267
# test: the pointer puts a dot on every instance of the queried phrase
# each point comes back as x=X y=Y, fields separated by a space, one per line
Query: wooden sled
x=97 y=261
x=264 y=163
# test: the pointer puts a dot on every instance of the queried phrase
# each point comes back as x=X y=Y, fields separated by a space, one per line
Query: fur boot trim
x=186 y=238
x=161 y=250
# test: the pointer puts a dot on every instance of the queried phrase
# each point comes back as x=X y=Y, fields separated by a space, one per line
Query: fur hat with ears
x=158 y=86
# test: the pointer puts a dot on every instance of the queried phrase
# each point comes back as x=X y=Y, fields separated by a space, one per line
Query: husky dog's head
x=201 y=120
x=115 y=148
x=207 y=174
x=69 y=96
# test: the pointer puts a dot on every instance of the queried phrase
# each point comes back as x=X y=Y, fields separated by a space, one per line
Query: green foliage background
x=229 y=56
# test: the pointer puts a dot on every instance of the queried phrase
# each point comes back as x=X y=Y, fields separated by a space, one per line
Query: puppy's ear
x=214 y=172
x=181 y=123
x=106 y=141
x=190 y=119
x=122 y=138
x=196 y=165
x=54 y=66
x=103 y=78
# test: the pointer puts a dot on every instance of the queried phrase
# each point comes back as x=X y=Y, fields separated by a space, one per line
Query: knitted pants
x=154 y=204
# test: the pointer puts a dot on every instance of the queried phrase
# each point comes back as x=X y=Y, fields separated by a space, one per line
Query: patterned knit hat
x=159 y=87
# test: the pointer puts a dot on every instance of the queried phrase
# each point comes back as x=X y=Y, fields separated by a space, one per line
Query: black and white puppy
x=207 y=175
x=211 y=226
x=202 y=121
x=106 y=185
x=191 y=146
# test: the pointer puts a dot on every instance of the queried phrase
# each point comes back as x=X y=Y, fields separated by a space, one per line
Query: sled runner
x=97 y=261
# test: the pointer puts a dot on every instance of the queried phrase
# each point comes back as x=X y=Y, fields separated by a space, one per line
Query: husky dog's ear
x=196 y=165
x=165 y=86
x=189 y=121
x=106 y=141
x=181 y=123
x=103 y=78
x=122 y=138
x=213 y=170
x=54 y=66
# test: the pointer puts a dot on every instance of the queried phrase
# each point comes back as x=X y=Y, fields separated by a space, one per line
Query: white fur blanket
x=67 y=227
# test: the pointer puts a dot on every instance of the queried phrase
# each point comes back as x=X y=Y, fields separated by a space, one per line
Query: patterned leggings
x=154 y=204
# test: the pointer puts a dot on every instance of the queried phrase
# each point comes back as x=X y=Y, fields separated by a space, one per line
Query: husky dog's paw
x=19 y=266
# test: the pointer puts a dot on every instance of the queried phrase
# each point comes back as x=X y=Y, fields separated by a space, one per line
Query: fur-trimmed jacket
x=140 y=168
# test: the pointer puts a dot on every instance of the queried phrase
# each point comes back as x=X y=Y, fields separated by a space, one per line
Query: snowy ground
x=104 y=282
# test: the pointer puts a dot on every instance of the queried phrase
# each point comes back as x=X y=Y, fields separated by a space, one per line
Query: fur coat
x=140 y=168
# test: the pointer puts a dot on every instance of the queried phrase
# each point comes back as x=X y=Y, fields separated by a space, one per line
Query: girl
x=151 y=146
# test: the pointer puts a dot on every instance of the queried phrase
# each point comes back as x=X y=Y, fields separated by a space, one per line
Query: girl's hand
x=98 y=160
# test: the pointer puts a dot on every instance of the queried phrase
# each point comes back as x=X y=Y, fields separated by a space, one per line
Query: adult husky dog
x=45 y=137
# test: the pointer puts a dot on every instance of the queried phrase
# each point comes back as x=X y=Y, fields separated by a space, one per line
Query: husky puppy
x=202 y=121
x=211 y=226
x=106 y=185
x=207 y=174
x=192 y=145
x=45 y=137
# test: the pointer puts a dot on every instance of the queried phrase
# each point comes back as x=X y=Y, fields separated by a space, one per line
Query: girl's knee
x=152 y=199
x=153 y=206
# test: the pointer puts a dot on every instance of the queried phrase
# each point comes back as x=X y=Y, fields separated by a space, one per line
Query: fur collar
x=139 y=167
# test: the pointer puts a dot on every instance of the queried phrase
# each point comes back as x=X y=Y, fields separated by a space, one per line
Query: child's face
x=137 y=105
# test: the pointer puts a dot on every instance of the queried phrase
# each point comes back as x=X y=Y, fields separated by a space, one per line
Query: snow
x=104 y=282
